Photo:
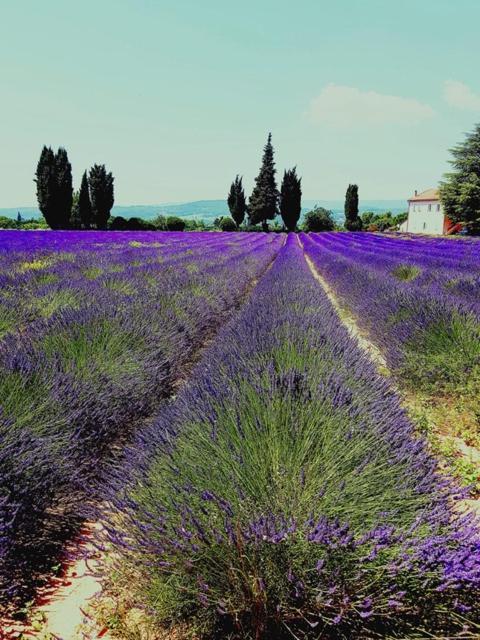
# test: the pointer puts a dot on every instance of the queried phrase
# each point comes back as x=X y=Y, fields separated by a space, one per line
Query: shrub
x=319 y=219
x=227 y=224
x=118 y=223
x=174 y=223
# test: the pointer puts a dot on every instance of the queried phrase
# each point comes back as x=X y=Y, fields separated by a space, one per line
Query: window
x=429 y=207
x=424 y=225
x=438 y=207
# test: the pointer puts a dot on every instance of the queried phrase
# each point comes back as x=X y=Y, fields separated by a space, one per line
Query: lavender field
x=253 y=471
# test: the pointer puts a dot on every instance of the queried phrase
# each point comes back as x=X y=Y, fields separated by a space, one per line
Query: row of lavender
x=95 y=332
x=419 y=299
x=284 y=493
x=446 y=267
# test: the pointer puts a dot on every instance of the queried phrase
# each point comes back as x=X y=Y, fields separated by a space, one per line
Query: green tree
x=84 y=205
x=352 y=220
x=263 y=202
x=319 y=219
x=64 y=191
x=228 y=224
x=367 y=217
x=46 y=181
x=75 y=222
x=101 y=194
x=160 y=222
x=54 y=187
x=460 y=189
x=291 y=199
x=174 y=223
x=236 y=201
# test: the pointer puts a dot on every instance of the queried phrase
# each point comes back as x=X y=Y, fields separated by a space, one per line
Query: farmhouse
x=426 y=215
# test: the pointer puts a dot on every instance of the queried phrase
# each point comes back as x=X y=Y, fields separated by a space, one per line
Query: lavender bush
x=95 y=330
x=285 y=494
x=418 y=298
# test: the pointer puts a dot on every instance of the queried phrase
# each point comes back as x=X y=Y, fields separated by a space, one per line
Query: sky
x=177 y=96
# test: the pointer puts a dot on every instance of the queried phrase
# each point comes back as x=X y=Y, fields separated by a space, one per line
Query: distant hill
x=208 y=210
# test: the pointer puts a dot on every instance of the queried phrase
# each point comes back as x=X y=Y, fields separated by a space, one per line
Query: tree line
x=266 y=201
x=62 y=208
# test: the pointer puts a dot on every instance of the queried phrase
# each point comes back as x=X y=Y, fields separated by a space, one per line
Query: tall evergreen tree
x=101 y=194
x=54 y=187
x=353 y=222
x=460 y=190
x=84 y=205
x=46 y=180
x=236 y=201
x=263 y=202
x=64 y=191
x=291 y=199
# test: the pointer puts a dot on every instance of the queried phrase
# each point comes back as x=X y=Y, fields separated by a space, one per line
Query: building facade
x=426 y=214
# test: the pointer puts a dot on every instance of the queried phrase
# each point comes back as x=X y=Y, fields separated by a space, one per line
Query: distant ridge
x=208 y=210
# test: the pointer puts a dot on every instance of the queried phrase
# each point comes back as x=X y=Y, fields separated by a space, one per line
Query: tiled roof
x=429 y=194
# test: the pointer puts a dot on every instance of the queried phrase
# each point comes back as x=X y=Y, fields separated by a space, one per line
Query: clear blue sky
x=177 y=96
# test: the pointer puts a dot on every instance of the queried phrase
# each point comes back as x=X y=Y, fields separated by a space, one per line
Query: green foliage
x=262 y=205
x=195 y=225
x=352 y=220
x=7 y=223
x=54 y=187
x=460 y=190
x=119 y=223
x=75 y=222
x=227 y=224
x=174 y=223
x=291 y=199
x=372 y=221
x=319 y=219
x=84 y=204
x=45 y=178
x=101 y=194
x=160 y=223
x=236 y=202
x=64 y=189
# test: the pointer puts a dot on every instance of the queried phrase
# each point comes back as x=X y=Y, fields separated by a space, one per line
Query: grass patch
x=34 y=265
x=91 y=273
x=406 y=272
x=51 y=303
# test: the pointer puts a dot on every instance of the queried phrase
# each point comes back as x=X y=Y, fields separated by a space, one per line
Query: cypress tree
x=101 y=194
x=45 y=178
x=84 y=205
x=291 y=199
x=353 y=222
x=64 y=189
x=263 y=202
x=236 y=201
